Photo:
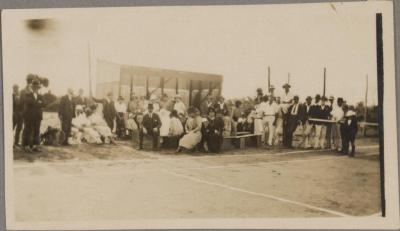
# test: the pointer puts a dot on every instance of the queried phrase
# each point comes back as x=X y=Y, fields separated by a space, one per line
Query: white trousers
x=268 y=122
x=320 y=136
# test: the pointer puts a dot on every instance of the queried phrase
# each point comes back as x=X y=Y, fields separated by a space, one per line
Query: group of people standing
x=325 y=123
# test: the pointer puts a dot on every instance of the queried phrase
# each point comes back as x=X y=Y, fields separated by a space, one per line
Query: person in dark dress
x=150 y=126
x=293 y=120
x=215 y=129
x=66 y=112
x=33 y=114
x=17 y=114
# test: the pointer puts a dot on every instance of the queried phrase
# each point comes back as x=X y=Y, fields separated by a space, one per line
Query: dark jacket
x=296 y=116
x=352 y=128
x=80 y=100
x=66 y=109
x=109 y=112
x=322 y=113
x=305 y=112
x=223 y=109
x=151 y=123
x=17 y=105
x=33 y=108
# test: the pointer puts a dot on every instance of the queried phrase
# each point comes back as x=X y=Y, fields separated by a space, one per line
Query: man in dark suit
x=80 y=99
x=33 y=114
x=66 y=111
x=17 y=114
x=293 y=120
x=305 y=113
x=150 y=126
x=109 y=111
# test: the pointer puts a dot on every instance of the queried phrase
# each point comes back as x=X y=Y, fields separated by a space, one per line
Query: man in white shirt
x=287 y=97
x=337 y=114
x=269 y=110
x=120 y=108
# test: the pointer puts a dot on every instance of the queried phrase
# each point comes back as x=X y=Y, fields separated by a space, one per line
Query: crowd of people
x=325 y=123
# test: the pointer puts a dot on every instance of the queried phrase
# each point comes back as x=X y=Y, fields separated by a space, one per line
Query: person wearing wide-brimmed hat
x=150 y=126
x=33 y=114
x=350 y=128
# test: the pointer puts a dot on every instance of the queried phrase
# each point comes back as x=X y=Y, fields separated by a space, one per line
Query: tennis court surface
x=121 y=183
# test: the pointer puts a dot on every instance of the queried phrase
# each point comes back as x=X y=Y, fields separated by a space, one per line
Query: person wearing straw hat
x=350 y=129
x=286 y=101
x=33 y=115
x=151 y=127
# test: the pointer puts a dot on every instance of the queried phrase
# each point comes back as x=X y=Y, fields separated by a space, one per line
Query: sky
x=238 y=42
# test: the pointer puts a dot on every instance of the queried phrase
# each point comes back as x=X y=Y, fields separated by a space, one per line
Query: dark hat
x=318 y=96
x=30 y=78
x=35 y=82
x=286 y=85
x=309 y=98
x=296 y=97
x=150 y=106
x=324 y=98
x=340 y=99
x=259 y=89
x=272 y=87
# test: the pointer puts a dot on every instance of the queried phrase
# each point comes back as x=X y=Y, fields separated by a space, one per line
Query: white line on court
x=258 y=194
x=158 y=157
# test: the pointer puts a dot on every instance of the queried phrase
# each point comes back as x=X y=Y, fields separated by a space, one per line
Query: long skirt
x=190 y=140
x=214 y=143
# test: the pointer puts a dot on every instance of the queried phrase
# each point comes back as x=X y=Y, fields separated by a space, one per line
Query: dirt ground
x=117 y=182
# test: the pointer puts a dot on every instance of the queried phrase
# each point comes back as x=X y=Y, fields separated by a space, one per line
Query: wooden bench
x=242 y=137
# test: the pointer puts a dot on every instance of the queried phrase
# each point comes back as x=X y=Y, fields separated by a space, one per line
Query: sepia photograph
x=223 y=116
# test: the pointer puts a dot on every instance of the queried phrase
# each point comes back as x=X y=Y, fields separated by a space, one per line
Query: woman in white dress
x=100 y=125
x=193 y=130
x=81 y=128
x=175 y=127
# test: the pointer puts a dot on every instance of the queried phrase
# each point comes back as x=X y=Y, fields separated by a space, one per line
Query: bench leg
x=242 y=144
x=258 y=141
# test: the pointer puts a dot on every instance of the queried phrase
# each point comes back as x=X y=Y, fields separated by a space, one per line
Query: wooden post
x=90 y=72
x=177 y=86
x=366 y=104
x=131 y=88
x=190 y=92
x=323 y=92
x=162 y=85
x=147 y=88
x=269 y=80
x=288 y=78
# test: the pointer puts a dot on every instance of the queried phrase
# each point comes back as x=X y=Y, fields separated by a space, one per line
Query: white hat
x=350 y=113
x=204 y=120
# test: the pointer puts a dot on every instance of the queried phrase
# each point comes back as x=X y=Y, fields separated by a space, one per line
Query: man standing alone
x=66 y=112
x=33 y=114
